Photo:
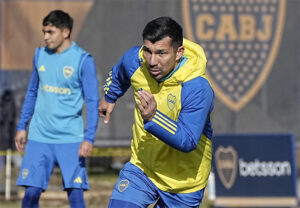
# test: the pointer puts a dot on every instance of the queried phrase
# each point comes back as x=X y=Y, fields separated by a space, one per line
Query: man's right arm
x=29 y=101
x=115 y=86
x=106 y=109
x=197 y=99
x=27 y=111
x=118 y=80
x=21 y=140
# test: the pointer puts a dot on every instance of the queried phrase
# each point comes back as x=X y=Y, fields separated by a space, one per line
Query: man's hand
x=21 y=140
x=105 y=109
x=85 y=149
x=147 y=105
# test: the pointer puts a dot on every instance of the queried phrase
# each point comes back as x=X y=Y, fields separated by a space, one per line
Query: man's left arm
x=193 y=120
x=91 y=97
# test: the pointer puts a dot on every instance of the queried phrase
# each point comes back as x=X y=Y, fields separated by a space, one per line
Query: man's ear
x=66 y=33
x=179 y=52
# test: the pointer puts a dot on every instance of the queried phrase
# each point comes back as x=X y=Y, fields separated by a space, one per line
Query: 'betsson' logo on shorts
x=56 y=90
x=264 y=168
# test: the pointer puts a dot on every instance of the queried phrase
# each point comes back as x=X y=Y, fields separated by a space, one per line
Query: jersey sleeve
x=30 y=97
x=118 y=80
x=91 y=97
x=194 y=118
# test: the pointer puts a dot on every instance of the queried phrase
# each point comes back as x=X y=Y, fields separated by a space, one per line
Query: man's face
x=160 y=57
x=54 y=37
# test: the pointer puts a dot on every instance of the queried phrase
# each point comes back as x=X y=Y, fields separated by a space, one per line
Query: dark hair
x=162 y=27
x=59 y=19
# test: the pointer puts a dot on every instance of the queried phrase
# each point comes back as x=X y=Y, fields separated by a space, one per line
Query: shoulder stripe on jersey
x=163 y=126
x=166 y=119
x=165 y=122
x=107 y=83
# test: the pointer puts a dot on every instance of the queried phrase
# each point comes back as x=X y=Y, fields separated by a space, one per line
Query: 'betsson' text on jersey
x=264 y=168
x=57 y=90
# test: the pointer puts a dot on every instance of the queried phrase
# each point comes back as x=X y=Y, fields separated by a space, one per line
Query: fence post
x=8 y=175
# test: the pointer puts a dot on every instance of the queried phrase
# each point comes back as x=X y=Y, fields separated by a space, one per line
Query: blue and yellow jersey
x=174 y=148
x=58 y=87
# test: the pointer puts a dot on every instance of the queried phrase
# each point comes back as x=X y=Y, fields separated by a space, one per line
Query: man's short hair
x=162 y=27
x=59 y=19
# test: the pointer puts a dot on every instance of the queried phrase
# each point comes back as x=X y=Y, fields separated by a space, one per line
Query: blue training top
x=59 y=85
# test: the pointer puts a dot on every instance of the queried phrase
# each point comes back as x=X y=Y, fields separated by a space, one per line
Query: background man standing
x=171 y=146
x=63 y=77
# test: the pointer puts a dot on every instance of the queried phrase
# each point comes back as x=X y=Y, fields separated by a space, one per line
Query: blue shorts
x=134 y=189
x=40 y=159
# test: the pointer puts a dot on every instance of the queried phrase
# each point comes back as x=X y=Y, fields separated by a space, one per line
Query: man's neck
x=64 y=46
x=177 y=66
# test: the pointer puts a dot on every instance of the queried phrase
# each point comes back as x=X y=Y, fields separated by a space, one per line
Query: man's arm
x=91 y=97
x=184 y=134
x=106 y=109
x=21 y=140
x=28 y=107
x=117 y=82
x=116 y=85
x=29 y=101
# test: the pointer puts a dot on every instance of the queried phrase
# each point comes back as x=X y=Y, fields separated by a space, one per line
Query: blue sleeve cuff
x=21 y=127
x=110 y=100
x=89 y=140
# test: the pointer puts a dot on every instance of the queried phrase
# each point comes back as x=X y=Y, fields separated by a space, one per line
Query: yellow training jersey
x=174 y=148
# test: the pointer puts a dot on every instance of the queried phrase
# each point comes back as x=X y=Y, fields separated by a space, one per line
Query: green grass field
x=101 y=186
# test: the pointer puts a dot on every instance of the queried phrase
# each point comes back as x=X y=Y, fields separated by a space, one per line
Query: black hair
x=59 y=19
x=162 y=27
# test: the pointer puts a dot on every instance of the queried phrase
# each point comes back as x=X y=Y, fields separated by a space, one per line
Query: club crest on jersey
x=171 y=101
x=25 y=173
x=68 y=71
x=226 y=160
x=240 y=38
x=123 y=184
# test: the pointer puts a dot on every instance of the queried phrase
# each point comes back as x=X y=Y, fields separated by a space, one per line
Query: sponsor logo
x=78 y=180
x=42 y=68
x=68 y=71
x=25 y=173
x=171 y=101
x=226 y=163
x=241 y=39
x=123 y=184
x=56 y=90
x=264 y=168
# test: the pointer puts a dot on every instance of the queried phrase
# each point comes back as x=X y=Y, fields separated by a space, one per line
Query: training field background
x=253 y=64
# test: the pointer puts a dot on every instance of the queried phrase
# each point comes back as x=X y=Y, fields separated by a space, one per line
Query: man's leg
x=123 y=204
x=31 y=197
x=179 y=200
x=35 y=171
x=73 y=167
x=133 y=189
x=76 y=198
x=75 y=179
